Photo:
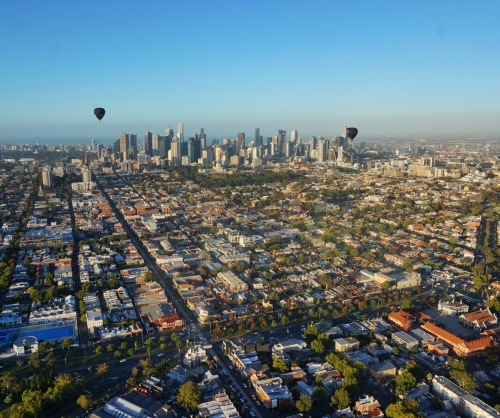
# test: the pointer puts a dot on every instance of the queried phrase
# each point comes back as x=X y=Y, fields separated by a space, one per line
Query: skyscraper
x=47 y=176
x=180 y=131
x=203 y=139
x=148 y=138
x=282 y=143
x=124 y=144
x=258 y=138
x=240 y=141
x=154 y=145
x=294 y=135
x=132 y=151
x=175 y=152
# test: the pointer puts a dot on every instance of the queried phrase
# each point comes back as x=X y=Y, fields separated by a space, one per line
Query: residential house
x=383 y=372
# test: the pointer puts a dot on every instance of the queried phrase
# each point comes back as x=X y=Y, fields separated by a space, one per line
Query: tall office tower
x=203 y=139
x=294 y=136
x=175 y=152
x=169 y=133
x=258 y=138
x=124 y=145
x=240 y=141
x=289 y=146
x=162 y=146
x=312 y=143
x=190 y=150
x=321 y=150
x=218 y=155
x=282 y=143
x=274 y=145
x=132 y=151
x=331 y=154
x=340 y=154
x=86 y=175
x=148 y=142
x=180 y=131
x=47 y=176
x=154 y=145
x=94 y=145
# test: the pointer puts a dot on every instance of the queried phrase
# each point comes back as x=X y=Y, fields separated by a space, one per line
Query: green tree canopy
x=304 y=404
x=407 y=408
x=189 y=395
x=280 y=365
x=84 y=401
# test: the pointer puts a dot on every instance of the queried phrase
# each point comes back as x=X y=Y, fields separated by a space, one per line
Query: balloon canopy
x=99 y=112
x=351 y=133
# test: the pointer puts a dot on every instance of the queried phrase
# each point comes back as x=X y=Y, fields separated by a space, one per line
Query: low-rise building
x=346 y=344
x=367 y=404
x=452 y=308
x=194 y=356
x=405 y=340
x=384 y=371
x=25 y=345
x=479 y=320
x=461 y=347
x=402 y=319
x=462 y=401
x=273 y=394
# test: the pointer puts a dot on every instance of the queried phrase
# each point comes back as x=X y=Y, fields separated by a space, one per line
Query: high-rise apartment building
x=47 y=176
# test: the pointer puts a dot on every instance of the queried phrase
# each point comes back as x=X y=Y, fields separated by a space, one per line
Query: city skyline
x=395 y=71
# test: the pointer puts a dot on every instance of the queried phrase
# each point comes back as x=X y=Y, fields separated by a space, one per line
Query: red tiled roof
x=441 y=333
x=463 y=346
x=402 y=318
x=481 y=317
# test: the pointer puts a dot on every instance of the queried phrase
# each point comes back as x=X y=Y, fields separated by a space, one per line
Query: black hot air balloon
x=99 y=112
x=351 y=133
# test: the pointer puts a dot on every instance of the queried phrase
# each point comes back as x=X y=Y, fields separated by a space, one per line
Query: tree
x=99 y=350
x=404 y=382
x=66 y=343
x=84 y=401
x=102 y=368
x=148 y=276
x=405 y=306
x=279 y=364
x=304 y=404
x=131 y=383
x=189 y=395
x=341 y=398
x=311 y=331
x=464 y=379
x=49 y=279
x=32 y=403
x=407 y=408
x=318 y=346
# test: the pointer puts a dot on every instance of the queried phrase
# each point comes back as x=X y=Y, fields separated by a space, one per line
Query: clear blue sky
x=391 y=68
